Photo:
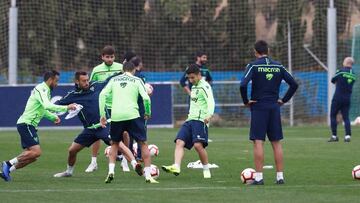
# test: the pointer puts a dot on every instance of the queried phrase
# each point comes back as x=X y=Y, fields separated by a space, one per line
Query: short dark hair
x=136 y=60
x=128 y=55
x=261 y=47
x=50 y=74
x=79 y=73
x=200 y=53
x=108 y=50
x=128 y=66
x=193 y=68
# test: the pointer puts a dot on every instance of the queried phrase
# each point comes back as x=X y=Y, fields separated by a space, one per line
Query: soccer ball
x=356 y=172
x=154 y=150
x=149 y=88
x=135 y=148
x=155 y=172
x=247 y=176
x=107 y=151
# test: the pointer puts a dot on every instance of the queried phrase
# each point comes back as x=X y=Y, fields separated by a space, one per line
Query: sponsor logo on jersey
x=268 y=70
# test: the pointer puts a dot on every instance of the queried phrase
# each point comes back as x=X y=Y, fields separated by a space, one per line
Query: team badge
x=269 y=76
x=123 y=84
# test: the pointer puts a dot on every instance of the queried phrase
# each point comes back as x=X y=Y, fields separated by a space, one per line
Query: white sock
x=347 y=136
x=70 y=169
x=124 y=162
x=12 y=168
x=258 y=176
x=147 y=172
x=206 y=166
x=279 y=175
x=177 y=166
x=14 y=161
x=133 y=163
x=93 y=160
x=334 y=136
x=111 y=168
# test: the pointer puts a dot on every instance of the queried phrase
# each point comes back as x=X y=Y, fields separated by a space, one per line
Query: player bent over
x=38 y=106
x=124 y=90
x=194 y=132
x=87 y=95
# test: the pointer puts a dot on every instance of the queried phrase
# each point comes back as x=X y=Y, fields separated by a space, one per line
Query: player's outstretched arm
x=42 y=97
x=145 y=97
x=66 y=100
x=102 y=97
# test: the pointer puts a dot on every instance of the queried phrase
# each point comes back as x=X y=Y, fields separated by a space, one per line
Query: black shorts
x=28 y=135
x=88 y=136
x=193 y=131
x=266 y=120
x=135 y=127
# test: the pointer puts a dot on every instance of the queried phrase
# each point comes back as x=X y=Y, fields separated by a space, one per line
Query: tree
x=290 y=11
x=36 y=35
x=319 y=41
x=4 y=24
x=240 y=34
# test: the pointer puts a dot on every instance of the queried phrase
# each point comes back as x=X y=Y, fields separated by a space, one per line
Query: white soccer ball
x=247 y=176
x=135 y=148
x=155 y=172
x=356 y=172
x=107 y=151
x=149 y=88
x=154 y=150
x=356 y=121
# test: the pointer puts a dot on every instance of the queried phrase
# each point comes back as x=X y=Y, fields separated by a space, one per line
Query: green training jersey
x=202 y=104
x=102 y=71
x=124 y=90
x=38 y=106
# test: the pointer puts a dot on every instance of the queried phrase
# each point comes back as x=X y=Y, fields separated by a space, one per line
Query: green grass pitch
x=315 y=171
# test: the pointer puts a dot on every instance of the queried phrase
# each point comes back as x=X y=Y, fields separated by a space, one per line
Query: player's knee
x=180 y=143
x=72 y=151
x=35 y=154
x=198 y=146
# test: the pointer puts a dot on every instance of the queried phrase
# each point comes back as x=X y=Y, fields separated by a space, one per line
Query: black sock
x=8 y=163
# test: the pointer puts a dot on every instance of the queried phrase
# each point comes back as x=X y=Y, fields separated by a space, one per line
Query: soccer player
x=344 y=81
x=194 y=132
x=100 y=73
x=136 y=60
x=201 y=59
x=128 y=55
x=87 y=95
x=37 y=107
x=266 y=76
x=124 y=90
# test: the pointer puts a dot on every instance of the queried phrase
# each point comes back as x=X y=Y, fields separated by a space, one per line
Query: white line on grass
x=179 y=188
